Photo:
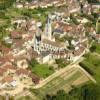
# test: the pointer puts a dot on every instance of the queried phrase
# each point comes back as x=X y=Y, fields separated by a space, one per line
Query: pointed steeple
x=48 y=28
x=38 y=35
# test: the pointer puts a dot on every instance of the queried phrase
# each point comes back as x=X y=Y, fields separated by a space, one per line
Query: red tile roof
x=4 y=49
x=7 y=79
x=22 y=72
x=35 y=78
x=16 y=34
x=8 y=66
x=2 y=71
x=3 y=60
x=79 y=51
x=6 y=58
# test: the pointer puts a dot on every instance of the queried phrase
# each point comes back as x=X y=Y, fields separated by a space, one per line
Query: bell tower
x=37 y=41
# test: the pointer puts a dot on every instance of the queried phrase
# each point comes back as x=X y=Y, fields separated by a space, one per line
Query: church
x=45 y=41
x=45 y=44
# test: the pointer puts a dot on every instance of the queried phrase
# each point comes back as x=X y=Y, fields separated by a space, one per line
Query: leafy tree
x=73 y=19
x=2 y=32
x=93 y=1
x=61 y=95
x=29 y=0
x=86 y=92
x=93 y=48
x=4 y=4
x=61 y=63
x=33 y=62
x=98 y=26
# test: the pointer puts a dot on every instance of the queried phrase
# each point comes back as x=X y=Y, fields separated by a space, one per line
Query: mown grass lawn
x=42 y=70
x=92 y=64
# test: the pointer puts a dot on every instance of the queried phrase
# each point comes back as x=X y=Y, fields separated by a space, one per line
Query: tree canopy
x=86 y=92
x=93 y=1
x=4 y=4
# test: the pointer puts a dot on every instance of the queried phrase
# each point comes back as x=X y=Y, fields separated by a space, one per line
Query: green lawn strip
x=42 y=70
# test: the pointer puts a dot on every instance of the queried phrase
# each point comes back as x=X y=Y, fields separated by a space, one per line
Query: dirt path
x=26 y=93
x=80 y=80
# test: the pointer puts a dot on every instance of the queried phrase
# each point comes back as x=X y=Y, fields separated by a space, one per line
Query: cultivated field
x=66 y=81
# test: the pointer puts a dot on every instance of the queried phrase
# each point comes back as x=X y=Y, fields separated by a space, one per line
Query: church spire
x=48 y=28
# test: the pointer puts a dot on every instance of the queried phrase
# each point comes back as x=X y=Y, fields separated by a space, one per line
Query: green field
x=42 y=70
x=92 y=65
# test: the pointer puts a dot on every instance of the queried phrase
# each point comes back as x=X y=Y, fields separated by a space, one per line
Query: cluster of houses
x=13 y=69
x=73 y=6
x=37 y=3
x=11 y=76
x=14 y=61
x=49 y=49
